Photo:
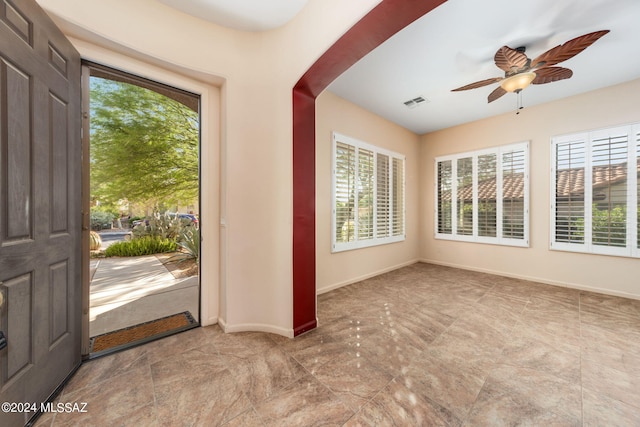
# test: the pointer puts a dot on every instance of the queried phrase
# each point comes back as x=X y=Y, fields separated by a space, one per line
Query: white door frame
x=210 y=166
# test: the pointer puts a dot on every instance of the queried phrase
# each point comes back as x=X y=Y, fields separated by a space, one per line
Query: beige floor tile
x=602 y=411
x=451 y=380
x=618 y=349
x=247 y=419
x=518 y=396
x=355 y=380
x=393 y=354
x=606 y=381
x=305 y=402
x=624 y=306
x=424 y=345
x=112 y=400
x=263 y=375
x=202 y=399
x=531 y=353
x=96 y=371
x=398 y=405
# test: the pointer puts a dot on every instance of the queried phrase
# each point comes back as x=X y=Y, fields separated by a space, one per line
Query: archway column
x=382 y=22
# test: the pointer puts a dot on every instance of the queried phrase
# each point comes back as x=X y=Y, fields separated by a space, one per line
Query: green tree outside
x=144 y=146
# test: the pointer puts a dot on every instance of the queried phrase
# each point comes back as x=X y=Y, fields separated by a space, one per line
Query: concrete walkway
x=129 y=291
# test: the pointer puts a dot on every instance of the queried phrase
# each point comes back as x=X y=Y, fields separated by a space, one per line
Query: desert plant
x=166 y=226
x=147 y=245
x=95 y=241
x=189 y=244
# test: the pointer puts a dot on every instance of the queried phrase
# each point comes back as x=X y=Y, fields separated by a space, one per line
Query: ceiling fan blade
x=507 y=58
x=497 y=93
x=477 y=84
x=567 y=50
x=551 y=74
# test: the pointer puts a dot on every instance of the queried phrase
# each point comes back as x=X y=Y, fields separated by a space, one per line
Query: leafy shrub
x=146 y=245
x=165 y=226
x=608 y=227
x=100 y=219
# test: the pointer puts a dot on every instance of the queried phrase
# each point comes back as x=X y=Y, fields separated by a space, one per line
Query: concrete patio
x=129 y=291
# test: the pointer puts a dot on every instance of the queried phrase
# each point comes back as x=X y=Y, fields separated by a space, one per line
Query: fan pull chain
x=519 y=101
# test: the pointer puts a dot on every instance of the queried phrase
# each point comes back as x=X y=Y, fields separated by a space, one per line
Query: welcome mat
x=144 y=331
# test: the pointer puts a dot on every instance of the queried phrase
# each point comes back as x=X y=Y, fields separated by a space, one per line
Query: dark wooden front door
x=40 y=211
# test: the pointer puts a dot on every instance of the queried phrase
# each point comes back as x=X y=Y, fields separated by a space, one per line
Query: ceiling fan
x=520 y=71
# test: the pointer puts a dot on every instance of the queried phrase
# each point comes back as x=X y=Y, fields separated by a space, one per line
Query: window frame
x=632 y=243
x=474 y=237
x=358 y=243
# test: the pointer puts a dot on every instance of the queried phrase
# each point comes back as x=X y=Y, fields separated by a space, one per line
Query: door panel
x=40 y=211
x=18 y=151
x=18 y=307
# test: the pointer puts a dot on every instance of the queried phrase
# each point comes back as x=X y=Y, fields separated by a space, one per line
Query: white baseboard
x=364 y=277
x=536 y=279
x=210 y=321
x=255 y=327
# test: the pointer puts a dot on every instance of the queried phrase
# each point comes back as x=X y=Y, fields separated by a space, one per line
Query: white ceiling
x=454 y=45
x=245 y=15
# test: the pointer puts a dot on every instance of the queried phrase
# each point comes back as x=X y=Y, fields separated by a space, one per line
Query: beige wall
x=605 y=107
x=334 y=114
x=256 y=73
x=250 y=154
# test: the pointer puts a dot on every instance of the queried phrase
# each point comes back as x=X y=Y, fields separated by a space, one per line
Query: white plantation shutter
x=570 y=161
x=368 y=195
x=513 y=188
x=398 y=197
x=464 y=197
x=595 y=180
x=365 y=194
x=344 y=192
x=609 y=190
x=382 y=204
x=636 y=140
x=487 y=195
x=444 y=190
x=491 y=189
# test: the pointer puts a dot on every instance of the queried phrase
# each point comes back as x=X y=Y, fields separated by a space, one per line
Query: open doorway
x=142 y=163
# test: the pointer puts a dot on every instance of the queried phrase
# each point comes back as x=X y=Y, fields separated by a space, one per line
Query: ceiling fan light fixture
x=518 y=82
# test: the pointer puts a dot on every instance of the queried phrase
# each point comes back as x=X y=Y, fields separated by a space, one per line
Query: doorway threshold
x=143 y=333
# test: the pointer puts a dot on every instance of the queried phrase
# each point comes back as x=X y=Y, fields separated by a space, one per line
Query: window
x=483 y=196
x=596 y=193
x=368 y=195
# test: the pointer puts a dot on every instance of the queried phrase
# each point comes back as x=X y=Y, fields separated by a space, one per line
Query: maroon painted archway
x=386 y=19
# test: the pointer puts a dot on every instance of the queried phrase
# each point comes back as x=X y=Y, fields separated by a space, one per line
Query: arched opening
x=386 y=19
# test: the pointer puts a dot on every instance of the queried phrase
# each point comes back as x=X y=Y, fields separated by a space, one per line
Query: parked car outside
x=191 y=217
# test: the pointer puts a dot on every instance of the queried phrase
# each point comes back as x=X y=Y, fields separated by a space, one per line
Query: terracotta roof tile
x=570 y=182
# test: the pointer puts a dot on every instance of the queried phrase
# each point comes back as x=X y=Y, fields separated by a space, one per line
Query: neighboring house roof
x=570 y=184
x=513 y=188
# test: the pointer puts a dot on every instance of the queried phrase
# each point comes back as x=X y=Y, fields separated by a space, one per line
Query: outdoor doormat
x=144 y=331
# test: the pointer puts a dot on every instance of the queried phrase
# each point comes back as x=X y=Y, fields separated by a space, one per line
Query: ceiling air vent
x=413 y=103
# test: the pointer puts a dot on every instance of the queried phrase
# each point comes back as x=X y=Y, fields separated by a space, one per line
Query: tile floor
x=421 y=346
